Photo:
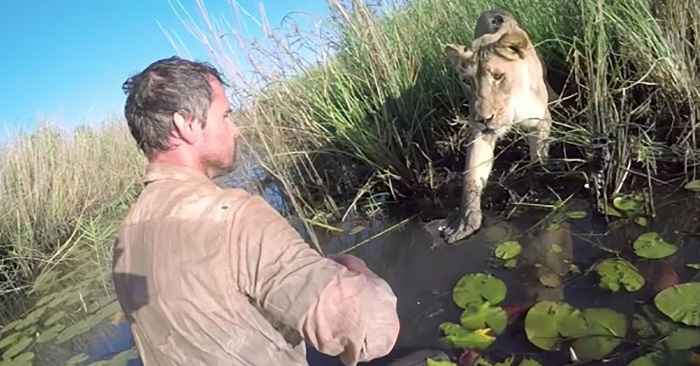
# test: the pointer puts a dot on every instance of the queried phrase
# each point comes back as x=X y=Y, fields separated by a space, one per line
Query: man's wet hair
x=163 y=88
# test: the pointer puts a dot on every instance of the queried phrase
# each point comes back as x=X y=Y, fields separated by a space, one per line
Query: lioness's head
x=504 y=79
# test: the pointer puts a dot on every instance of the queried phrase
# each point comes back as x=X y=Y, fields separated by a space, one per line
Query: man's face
x=218 y=143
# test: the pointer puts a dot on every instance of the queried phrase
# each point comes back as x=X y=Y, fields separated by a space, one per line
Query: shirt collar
x=161 y=171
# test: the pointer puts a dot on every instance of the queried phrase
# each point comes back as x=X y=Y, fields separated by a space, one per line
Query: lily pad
x=681 y=303
x=9 y=339
x=76 y=359
x=550 y=279
x=78 y=328
x=23 y=359
x=484 y=316
x=630 y=203
x=677 y=336
x=641 y=221
x=54 y=318
x=616 y=273
x=547 y=320
x=511 y=263
x=477 y=288
x=529 y=362
x=650 y=359
x=430 y=362
x=18 y=347
x=650 y=245
x=693 y=185
x=576 y=214
x=605 y=330
x=460 y=337
x=659 y=358
x=507 y=250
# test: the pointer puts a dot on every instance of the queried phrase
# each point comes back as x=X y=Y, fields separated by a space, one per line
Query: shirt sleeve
x=338 y=311
x=354 y=318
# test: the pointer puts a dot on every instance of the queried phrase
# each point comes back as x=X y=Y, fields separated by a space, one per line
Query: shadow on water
x=422 y=271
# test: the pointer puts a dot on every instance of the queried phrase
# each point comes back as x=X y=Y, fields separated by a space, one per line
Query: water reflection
x=422 y=271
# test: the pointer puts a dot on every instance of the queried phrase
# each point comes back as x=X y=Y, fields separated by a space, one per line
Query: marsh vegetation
x=378 y=128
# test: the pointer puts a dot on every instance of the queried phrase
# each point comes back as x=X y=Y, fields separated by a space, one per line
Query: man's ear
x=513 y=44
x=457 y=54
x=185 y=127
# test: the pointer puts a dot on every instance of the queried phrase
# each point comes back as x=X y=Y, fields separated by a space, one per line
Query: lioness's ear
x=457 y=53
x=513 y=44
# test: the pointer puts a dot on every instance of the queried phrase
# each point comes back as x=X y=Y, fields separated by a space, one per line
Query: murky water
x=422 y=271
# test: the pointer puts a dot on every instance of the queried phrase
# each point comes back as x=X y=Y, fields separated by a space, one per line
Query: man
x=211 y=276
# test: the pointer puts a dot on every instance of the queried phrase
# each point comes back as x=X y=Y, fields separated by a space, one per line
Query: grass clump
x=375 y=122
x=61 y=197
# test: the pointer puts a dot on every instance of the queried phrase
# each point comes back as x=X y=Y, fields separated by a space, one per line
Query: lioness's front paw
x=461 y=226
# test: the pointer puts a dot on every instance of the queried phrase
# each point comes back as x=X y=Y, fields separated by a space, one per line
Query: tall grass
x=377 y=118
x=59 y=190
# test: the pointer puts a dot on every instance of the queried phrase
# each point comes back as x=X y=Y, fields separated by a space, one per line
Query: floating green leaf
x=550 y=279
x=605 y=330
x=477 y=288
x=693 y=265
x=631 y=203
x=430 y=362
x=693 y=185
x=460 y=337
x=651 y=245
x=76 y=359
x=641 y=221
x=54 y=318
x=681 y=303
x=547 y=320
x=576 y=214
x=484 y=316
x=23 y=359
x=677 y=336
x=78 y=328
x=556 y=248
x=9 y=339
x=50 y=334
x=511 y=263
x=529 y=362
x=659 y=358
x=508 y=250
x=617 y=272
x=18 y=347
x=650 y=359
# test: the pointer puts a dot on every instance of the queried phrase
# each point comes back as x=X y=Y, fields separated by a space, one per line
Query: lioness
x=506 y=88
x=496 y=22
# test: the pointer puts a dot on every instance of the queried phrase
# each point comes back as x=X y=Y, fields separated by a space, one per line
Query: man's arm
x=354 y=318
x=339 y=311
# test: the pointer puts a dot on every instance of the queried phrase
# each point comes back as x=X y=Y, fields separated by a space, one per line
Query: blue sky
x=67 y=59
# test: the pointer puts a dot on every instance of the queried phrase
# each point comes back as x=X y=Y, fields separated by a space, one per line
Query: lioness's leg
x=539 y=141
x=477 y=171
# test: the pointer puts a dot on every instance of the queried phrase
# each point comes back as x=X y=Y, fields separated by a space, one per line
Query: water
x=422 y=271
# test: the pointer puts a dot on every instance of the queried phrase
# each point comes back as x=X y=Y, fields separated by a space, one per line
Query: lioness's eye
x=498 y=77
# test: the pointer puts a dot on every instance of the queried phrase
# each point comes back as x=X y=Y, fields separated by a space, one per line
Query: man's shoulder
x=238 y=199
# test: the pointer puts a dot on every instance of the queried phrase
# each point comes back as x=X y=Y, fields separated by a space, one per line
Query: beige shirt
x=211 y=276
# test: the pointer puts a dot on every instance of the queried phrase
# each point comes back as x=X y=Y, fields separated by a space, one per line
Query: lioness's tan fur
x=506 y=87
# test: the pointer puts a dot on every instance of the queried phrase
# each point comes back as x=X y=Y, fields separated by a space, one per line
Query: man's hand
x=352 y=263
